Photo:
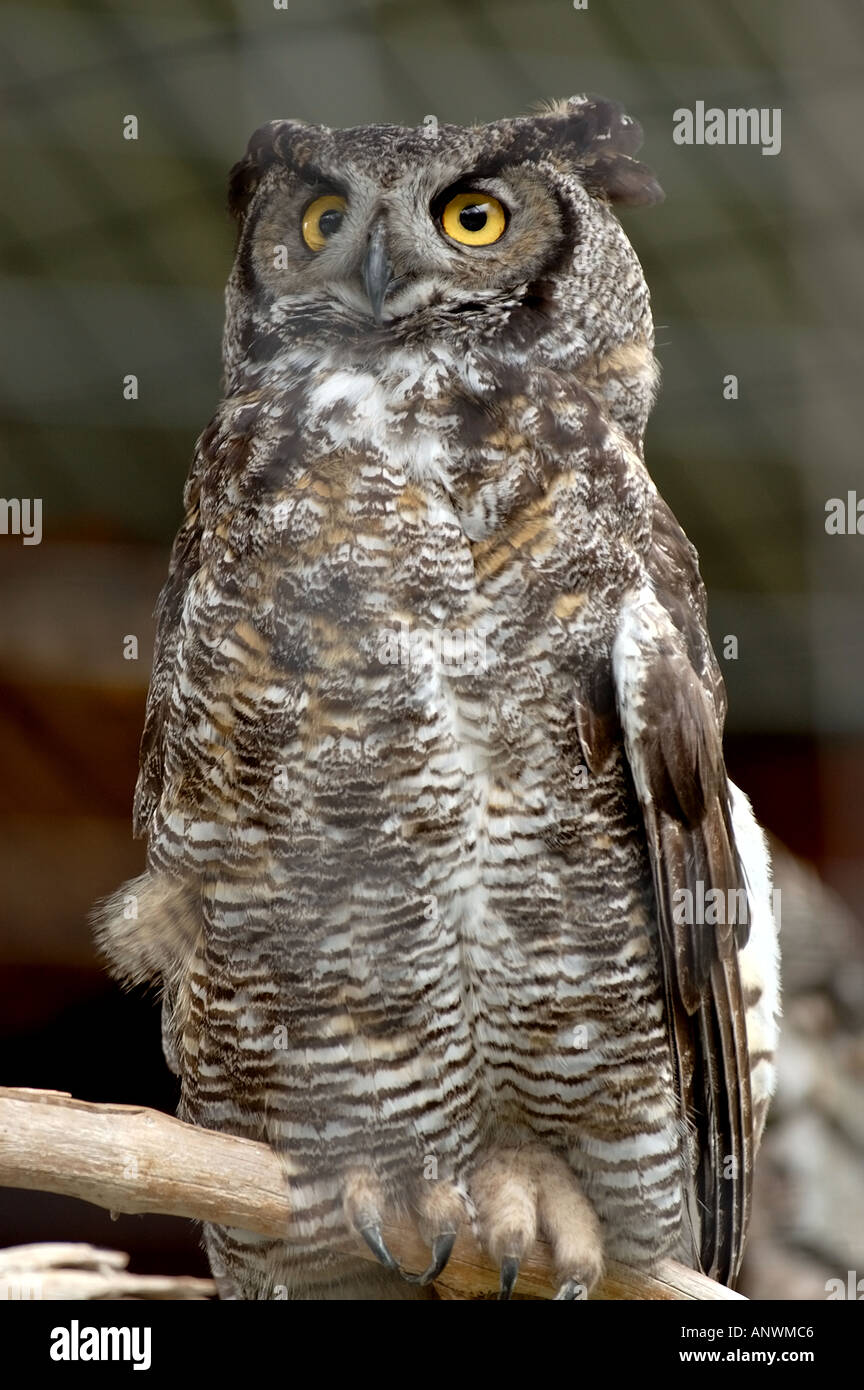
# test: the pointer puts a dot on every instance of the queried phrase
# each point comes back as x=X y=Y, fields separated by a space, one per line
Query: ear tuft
x=600 y=140
x=273 y=143
x=622 y=180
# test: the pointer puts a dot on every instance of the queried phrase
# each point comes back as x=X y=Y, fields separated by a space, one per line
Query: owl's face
x=369 y=250
x=386 y=233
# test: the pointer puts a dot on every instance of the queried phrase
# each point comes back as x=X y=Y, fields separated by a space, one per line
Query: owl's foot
x=442 y=1249
x=518 y=1192
x=363 y=1201
x=440 y=1209
x=378 y=1245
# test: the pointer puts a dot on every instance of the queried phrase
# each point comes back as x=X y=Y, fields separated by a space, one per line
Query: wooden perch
x=130 y=1159
x=85 y=1272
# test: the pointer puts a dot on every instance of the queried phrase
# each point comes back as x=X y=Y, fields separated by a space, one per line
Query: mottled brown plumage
x=433 y=742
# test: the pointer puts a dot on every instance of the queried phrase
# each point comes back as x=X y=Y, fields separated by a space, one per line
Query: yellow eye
x=321 y=219
x=474 y=219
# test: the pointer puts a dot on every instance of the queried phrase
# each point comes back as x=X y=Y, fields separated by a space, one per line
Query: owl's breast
x=375 y=724
x=412 y=588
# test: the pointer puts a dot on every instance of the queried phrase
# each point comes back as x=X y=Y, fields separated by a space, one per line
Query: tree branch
x=130 y=1159
x=67 y=1270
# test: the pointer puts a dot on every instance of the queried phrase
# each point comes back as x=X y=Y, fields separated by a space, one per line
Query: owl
x=447 y=893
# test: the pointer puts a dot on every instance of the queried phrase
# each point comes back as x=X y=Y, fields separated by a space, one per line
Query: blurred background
x=114 y=256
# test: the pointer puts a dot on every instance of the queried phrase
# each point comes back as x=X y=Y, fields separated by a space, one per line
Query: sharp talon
x=509 y=1272
x=442 y=1249
x=374 y=1239
x=570 y=1291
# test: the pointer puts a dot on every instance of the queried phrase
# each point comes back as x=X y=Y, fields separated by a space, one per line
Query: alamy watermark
x=845 y=515
x=716 y=907
x=455 y=650
x=850 y=1289
x=739 y=125
x=77 y=1343
x=22 y=516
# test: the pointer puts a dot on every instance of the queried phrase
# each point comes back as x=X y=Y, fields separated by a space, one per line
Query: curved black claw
x=442 y=1249
x=571 y=1291
x=509 y=1272
x=374 y=1239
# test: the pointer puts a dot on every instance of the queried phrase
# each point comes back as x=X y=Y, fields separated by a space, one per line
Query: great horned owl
x=431 y=778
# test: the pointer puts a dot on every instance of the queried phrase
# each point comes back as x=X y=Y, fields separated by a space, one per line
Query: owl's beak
x=377 y=269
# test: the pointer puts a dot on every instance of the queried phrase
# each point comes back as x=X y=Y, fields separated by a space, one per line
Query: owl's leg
x=226 y=1287
x=572 y=1227
x=519 y=1191
x=504 y=1190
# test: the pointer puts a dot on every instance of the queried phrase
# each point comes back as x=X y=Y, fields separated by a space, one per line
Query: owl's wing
x=183 y=565
x=671 y=706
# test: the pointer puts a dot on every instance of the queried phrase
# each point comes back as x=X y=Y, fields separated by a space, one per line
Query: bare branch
x=71 y=1271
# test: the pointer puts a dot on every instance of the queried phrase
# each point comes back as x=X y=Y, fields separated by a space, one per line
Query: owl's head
x=503 y=232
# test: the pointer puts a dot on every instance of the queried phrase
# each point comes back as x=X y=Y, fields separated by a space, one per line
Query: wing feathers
x=672 y=733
